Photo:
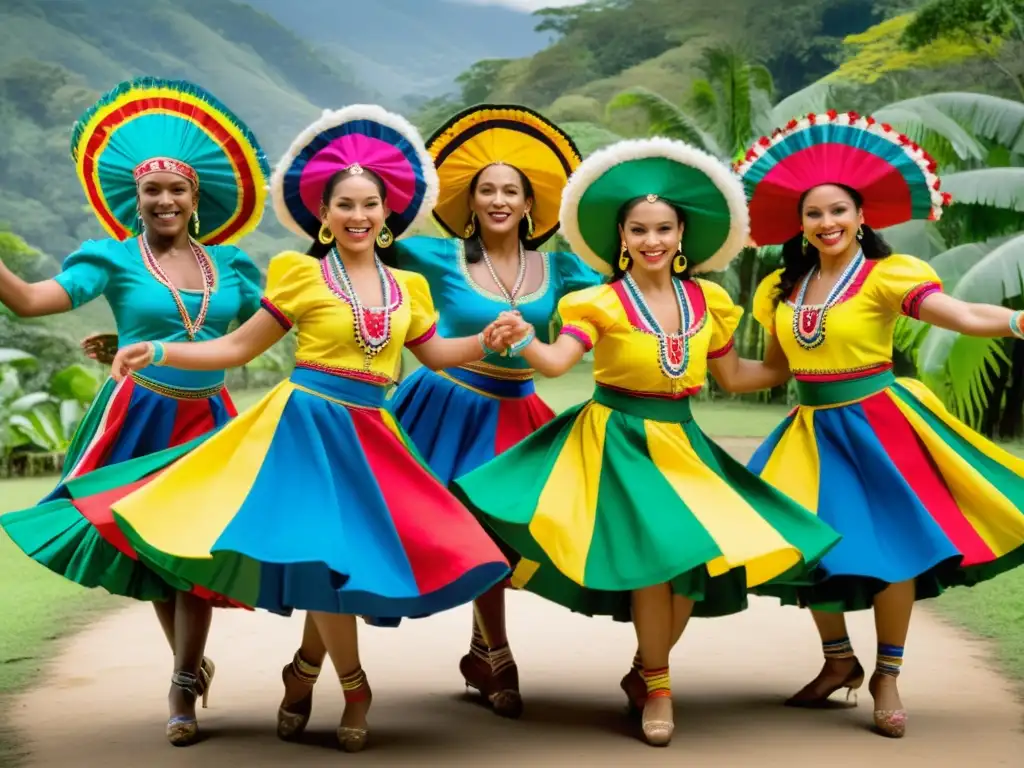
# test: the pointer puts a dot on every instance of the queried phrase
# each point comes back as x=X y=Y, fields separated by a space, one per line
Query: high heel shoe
x=207 y=669
x=657 y=733
x=888 y=722
x=496 y=678
x=292 y=718
x=356 y=689
x=633 y=685
x=808 y=698
x=183 y=731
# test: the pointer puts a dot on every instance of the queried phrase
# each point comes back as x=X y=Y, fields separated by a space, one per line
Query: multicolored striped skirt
x=312 y=499
x=625 y=492
x=460 y=418
x=73 y=535
x=915 y=493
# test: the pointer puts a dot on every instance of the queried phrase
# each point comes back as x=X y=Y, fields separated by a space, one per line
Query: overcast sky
x=527 y=6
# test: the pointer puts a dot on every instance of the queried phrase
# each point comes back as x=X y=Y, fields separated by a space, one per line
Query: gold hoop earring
x=529 y=225
x=384 y=237
x=860 y=232
x=195 y=222
x=624 y=258
x=470 y=227
x=325 y=236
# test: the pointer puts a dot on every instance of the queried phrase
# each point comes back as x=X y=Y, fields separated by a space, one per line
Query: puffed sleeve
x=423 y=325
x=724 y=316
x=903 y=282
x=572 y=274
x=582 y=315
x=764 y=303
x=249 y=279
x=86 y=272
x=288 y=282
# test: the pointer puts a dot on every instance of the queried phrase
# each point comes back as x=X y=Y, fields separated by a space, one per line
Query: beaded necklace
x=809 y=321
x=192 y=328
x=510 y=296
x=372 y=324
x=673 y=348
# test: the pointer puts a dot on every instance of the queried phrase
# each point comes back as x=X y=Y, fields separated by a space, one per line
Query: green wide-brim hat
x=717 y=223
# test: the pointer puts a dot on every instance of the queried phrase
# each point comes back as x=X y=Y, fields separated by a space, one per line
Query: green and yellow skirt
x=624 y=492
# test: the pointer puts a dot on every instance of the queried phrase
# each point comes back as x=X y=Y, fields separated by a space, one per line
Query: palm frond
x=960 y=370
x=996 y=277
x=1001 y=188
x=664 y=118
x=989 y=117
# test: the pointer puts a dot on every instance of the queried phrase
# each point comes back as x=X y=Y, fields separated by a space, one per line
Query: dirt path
x=101 y=702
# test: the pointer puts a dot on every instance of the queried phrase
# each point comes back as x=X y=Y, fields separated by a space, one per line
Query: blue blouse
x=465 y=308
x=145 y=310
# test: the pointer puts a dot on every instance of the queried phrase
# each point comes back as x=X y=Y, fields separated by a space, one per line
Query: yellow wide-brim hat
x=487 y=134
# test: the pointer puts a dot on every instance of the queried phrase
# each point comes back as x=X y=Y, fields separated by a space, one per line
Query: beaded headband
x=166 y=165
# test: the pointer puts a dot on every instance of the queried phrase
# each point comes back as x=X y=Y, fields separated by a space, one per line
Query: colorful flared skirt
x=915 y=493
x=460 y=419
x=624 y=492
x=312 y=500
x=75 y=537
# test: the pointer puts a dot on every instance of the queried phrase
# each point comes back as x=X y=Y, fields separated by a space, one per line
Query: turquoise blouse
x=145 y=310
x=465 y=308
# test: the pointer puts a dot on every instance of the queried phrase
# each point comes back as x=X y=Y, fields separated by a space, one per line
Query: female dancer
x=501 y=172
x=376 y=533
x=922 y=502
x=623 y=506
x=170 y=173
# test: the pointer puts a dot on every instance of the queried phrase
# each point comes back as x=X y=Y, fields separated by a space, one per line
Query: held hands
x=100 y=347
x=507 y=330
x=134 y=357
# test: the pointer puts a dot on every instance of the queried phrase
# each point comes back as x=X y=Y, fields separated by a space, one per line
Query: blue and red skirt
x=460 y=419
x=72 y=531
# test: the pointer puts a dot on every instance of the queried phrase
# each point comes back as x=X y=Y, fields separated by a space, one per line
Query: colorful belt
x=177 y=393
x=344 y=389
x=822 y=393
x=652 y=408
x=511 y=389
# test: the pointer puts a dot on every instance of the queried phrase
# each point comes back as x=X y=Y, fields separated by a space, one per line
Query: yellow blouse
x=858 y=329
x=626 y=351
x=301 y=291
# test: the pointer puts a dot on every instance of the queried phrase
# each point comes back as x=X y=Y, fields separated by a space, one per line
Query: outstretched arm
x=739 y=375
x=237 y=348
x=438 y=352
x=985 y=320
x=25 y=299
x=553 y=360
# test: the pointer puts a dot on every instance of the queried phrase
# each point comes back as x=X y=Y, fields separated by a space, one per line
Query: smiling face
x=831 y=219
x=166 y=201
x=651 y=232
x=499 y=199
x=355 y=212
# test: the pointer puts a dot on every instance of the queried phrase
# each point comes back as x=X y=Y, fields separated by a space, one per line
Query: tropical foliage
x=40 y=421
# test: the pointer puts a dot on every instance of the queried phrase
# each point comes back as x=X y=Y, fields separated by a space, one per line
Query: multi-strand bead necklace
x=673 y=348
x=192 y=327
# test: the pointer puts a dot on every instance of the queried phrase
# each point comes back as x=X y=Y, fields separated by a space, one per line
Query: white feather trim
x=333 y=118
x=601 y=161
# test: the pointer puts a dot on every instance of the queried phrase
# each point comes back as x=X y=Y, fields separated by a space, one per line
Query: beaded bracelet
x=1015 y=324
x=159 y=352
x=523 y=343
x=483 y=344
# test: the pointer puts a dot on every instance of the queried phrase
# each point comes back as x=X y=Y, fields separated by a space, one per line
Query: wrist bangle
x=483 y=344
x=159 y=352
x=1015 y=324
x=522 y=344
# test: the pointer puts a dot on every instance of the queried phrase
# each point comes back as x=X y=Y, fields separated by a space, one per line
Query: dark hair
x=317 y=249
x=624 y=210
x=798 y=262
x=474 y=246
